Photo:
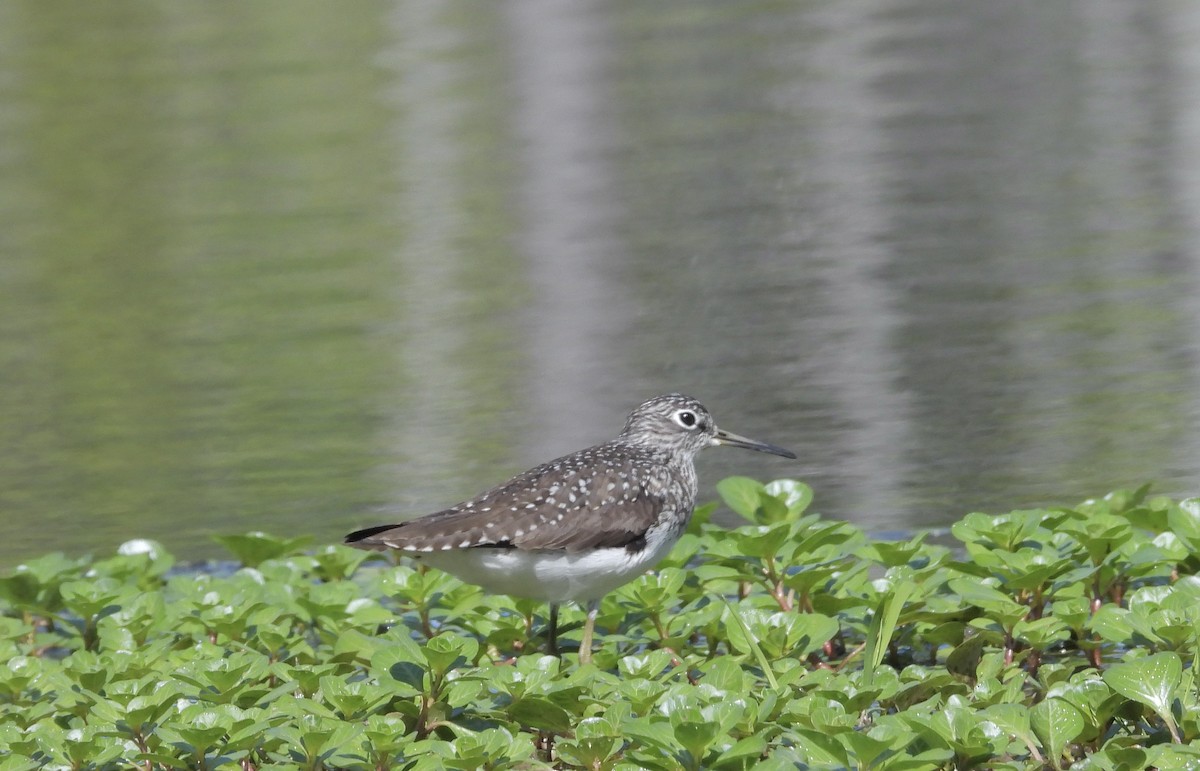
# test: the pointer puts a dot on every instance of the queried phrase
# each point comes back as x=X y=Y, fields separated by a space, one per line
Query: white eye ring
x=687 y=419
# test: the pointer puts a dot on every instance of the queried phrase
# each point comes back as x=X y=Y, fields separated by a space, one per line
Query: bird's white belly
x=553 y=576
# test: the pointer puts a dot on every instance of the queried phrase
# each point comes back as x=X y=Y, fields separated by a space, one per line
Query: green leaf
x=1151 y=681
x=1112 y=624
x=695 y=736
x=751 y=642
x=883 y=626
x=449 y=651
x=866 y=749
x=744 y=753
x=1041 y=633
x=651 y=732
x=796 y=496
x=1168 y=756
x=742 y=494
x=589 y=751
x=1184 y=520
x=401 y=666
x=16 y=763
x=541 y=714
x=90 y=598
x=1056 y=723
x=253 y=549
x=1013 y=719
x=764 y=541
x=990 y=600
x=895 y=553
x=821 y=749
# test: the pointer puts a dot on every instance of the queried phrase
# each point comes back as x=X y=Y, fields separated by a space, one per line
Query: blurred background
x=308 y=267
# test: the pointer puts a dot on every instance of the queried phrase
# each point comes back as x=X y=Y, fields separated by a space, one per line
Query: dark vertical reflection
x=1033 y=239
x=577 y=378
x=714 y=225
x=862 y=427
x=1179 y=24
x=754 y=172
x=455 y=402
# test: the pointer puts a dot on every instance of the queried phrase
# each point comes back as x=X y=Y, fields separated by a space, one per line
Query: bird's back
x=609 y=495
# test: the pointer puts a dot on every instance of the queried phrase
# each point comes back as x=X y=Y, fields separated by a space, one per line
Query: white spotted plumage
x=579 y=526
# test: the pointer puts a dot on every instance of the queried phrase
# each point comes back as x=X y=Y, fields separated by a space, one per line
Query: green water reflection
x=279 y=267
x=201 y=305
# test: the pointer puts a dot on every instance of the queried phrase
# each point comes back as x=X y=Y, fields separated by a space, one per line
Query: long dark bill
x=733 y=440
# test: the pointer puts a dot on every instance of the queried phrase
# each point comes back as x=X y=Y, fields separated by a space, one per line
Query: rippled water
x=303 y=269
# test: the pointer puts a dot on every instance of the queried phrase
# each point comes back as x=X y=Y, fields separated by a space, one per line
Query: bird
x=578 y=527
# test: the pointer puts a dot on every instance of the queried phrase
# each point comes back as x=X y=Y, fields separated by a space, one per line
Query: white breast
x=553 y=576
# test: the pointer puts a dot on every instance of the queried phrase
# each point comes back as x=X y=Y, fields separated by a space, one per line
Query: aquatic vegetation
x=1041 y=639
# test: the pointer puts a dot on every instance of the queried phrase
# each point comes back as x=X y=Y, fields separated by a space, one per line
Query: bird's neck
x=654 y=452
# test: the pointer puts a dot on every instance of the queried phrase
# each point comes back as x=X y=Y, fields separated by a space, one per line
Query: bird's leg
x=552 y=632
x=585 y=645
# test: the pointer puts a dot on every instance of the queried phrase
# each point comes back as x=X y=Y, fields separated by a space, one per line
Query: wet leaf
x=1151 y=681
x=1056 y=724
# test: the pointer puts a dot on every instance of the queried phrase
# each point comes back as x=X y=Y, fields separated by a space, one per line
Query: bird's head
x=675 y=423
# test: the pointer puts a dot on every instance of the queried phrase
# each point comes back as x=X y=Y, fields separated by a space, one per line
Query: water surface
x=312 y=268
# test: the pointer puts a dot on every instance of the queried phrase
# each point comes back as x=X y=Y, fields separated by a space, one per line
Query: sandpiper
x=578 y=527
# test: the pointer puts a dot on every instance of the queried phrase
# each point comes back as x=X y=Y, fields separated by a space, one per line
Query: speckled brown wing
x=604 y=496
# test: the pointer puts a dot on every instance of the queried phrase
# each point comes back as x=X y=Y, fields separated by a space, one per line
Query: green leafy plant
x=1050 y=638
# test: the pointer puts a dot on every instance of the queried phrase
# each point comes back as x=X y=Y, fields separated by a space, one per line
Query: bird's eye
x=686 y=418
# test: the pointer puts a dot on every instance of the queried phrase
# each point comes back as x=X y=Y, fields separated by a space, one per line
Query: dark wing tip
x=361 y=535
